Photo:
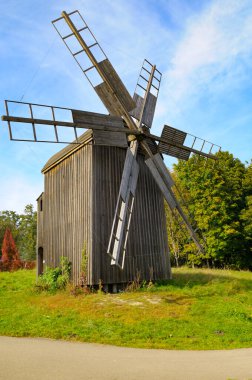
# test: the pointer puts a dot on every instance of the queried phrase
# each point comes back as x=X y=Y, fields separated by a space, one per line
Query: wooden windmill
x=122 y=236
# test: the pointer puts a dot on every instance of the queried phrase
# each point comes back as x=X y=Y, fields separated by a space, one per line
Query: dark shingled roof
x=68 y=150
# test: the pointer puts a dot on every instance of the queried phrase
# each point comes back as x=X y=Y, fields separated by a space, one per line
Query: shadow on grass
x=190 y=280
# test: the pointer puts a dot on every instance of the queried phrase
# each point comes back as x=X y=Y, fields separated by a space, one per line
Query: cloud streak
x=212 y=56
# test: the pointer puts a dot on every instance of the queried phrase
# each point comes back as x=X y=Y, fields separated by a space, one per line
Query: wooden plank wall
x=67 y=210
x=79 y=203
x=147 y=247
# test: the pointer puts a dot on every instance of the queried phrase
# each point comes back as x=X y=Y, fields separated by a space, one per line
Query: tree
x=215 y=198
x=246 y=213
x=176 y=239
x=10 y=256
x=24 y=231
x=28 y=233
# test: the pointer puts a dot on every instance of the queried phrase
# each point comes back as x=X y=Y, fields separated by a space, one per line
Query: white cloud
x=213 y=54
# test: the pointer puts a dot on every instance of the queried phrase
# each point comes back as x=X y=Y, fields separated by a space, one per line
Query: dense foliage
x=23 y=228
x=219 y=199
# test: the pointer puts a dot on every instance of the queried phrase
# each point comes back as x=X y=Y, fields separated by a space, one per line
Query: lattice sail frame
x=146 y=72
x=32 y=113
x=75 y=54
x=94 y=63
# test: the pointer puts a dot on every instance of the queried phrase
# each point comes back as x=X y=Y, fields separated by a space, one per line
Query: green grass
x=198 y=309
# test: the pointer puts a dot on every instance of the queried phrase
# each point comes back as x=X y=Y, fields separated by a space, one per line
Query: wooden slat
x=172 y=134
x=160 y=182
x=174 y=151
x=90 y=119
x=110 y=138
x=134 y=177
x=149 y=111
x=117 y=85
x=139 y=105
x=107 y=97
x=126 y=173
x=163 y=170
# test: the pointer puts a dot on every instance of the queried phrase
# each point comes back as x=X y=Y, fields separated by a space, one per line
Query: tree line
x=217 y=195
x=23 y=229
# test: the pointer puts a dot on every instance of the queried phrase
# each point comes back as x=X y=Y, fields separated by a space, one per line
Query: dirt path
x=26 y=359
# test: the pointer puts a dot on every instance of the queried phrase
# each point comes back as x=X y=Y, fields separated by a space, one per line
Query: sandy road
x=30 y=359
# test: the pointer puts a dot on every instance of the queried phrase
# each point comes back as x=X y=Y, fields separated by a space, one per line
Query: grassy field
x=198 y=309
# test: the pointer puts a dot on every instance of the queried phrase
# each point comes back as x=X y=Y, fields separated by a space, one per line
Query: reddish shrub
x=10 y=257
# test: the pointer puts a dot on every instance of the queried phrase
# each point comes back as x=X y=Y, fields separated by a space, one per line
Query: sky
x=202 y=47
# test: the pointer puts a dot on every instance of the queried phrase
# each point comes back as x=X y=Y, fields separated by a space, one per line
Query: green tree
x=28 y=233
x=215 y=197
x=246 y=213
x=24 y=230
x=177 y=239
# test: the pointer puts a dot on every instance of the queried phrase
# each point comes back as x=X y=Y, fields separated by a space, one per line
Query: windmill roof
x=68 y=150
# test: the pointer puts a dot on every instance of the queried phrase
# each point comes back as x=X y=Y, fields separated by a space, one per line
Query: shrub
x=55 y=278
x=10 y=257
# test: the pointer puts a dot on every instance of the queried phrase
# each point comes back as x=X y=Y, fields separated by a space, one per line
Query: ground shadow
x=190 y=280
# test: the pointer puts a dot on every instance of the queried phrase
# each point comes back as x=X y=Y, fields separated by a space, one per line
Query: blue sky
x=203 y=48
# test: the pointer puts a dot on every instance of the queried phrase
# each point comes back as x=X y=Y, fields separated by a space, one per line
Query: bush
x=10 y=260
x=55 y=278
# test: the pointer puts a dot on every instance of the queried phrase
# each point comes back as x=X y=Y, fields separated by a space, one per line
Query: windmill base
x=76 y=210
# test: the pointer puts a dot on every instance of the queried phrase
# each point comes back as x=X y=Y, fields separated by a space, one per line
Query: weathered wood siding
x=79 y=203
x=147 y=248
x=68 y=210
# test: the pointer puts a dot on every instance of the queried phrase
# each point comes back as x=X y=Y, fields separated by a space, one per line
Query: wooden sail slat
x=117 y=84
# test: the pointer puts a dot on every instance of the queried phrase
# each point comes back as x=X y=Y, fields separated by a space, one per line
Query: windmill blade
x=33 y=119
x=165 y=182
x=152 y=95
x=39 y=123
x=125 y=201
x=124 y=207
x=94 y=63
x=179 y=144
